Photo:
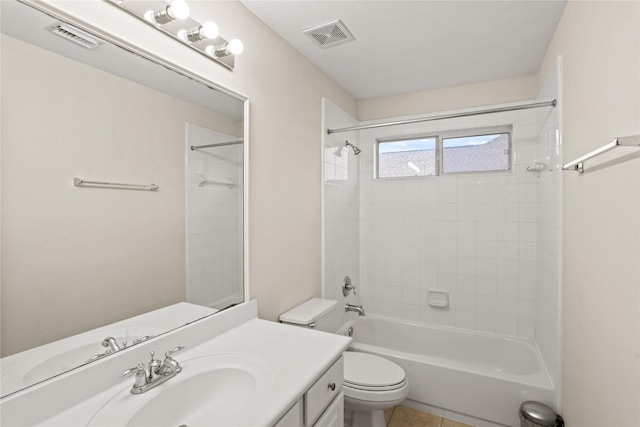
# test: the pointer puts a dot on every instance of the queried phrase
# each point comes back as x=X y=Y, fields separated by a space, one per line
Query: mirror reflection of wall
x=75 y=259
x=214 y=183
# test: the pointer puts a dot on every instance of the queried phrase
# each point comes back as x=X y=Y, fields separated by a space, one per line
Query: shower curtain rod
x=552 y=103
x=218 y=144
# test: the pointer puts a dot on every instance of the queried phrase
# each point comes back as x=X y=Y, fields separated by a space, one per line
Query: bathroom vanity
x=32 y=366
x=237 y=370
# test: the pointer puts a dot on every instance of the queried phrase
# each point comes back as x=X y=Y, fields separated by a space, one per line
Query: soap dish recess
x=438 y=297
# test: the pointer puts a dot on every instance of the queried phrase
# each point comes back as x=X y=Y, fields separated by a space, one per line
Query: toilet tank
x=316 y=313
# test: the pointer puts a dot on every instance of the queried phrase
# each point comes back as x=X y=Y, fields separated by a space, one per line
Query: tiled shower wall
x=214 y=215
x=341 y=210
x=473 y=235
x=492 y=240
x=549 y=232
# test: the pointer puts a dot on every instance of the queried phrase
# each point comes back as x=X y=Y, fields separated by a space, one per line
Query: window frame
x=439 y=150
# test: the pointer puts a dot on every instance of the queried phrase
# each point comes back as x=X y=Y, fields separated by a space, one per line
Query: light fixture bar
x=171 y=19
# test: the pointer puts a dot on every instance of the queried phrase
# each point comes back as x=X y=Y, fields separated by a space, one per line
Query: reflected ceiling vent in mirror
x=330 y=34
x=75 y=35
x=172 y=18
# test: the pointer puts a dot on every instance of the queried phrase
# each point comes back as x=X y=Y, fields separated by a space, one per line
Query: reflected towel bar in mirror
x=78 y=182
x=217 y=144
x=204 y=181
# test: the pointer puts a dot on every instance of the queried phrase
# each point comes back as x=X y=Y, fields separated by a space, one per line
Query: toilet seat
x=372 y=378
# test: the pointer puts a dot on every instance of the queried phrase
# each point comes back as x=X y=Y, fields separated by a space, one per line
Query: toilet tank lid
x=308 y=312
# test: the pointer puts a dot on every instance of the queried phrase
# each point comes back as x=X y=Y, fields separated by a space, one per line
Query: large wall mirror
x=89 y=261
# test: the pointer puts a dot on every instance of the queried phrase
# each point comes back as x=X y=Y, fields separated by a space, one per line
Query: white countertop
x=40 y=363
x=296 y=358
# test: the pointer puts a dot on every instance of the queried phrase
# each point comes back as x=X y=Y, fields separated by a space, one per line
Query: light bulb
x=209 y=30
x=235 y=47
x=179 y=9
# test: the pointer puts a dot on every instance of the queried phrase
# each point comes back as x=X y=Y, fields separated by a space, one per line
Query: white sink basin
x=214 y=390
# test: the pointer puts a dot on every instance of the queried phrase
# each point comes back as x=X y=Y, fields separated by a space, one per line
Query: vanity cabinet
x=322 y=404
x=294 y=416
x=333 y=416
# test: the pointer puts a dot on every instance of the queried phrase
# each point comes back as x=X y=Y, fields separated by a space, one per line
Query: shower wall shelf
x=79 y=182
x=623 y=141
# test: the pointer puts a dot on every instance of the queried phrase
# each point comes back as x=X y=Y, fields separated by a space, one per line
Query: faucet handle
x=347 y=286
x=141 y=377
x=132 y=371
x=170 y=352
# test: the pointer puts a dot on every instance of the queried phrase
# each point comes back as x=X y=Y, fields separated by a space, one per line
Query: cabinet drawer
x=323 y=391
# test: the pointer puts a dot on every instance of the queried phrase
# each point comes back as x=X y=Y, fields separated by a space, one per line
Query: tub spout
x=356 y=308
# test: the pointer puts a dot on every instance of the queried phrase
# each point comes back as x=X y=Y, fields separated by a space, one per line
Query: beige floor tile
x=387 y=414
x=407 y=417
x=451 y=423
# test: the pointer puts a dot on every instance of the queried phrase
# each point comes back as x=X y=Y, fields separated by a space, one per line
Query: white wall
x=600 y=46
x=285 y=91
x=450 y=98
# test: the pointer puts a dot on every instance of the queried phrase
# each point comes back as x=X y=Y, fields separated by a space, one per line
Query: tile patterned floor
x=400 y=416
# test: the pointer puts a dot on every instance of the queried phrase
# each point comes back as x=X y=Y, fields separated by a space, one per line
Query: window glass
x=407 y=157
x=476 y=153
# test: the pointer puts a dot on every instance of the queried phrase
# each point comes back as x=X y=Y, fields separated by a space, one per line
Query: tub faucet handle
x=347 y=286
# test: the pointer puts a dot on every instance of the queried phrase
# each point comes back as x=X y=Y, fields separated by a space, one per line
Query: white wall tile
x=476 y=235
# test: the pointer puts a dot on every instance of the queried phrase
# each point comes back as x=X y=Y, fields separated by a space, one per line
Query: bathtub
x=473 y=377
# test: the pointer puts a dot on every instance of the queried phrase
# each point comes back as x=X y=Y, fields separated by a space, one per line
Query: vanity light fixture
x=208 y=30
x=172 y=18
x=233 y=47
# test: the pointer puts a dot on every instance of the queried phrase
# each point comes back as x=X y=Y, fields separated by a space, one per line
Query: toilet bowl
x=371 y=385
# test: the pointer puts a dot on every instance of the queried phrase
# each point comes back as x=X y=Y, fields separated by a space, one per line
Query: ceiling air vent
x=330 y=34
x=75 y=35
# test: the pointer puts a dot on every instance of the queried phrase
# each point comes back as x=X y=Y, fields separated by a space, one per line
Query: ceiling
x=409 y=46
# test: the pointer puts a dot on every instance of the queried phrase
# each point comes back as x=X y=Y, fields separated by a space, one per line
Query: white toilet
x=371 y=383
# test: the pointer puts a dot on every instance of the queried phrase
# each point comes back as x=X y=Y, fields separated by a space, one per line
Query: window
x=407 y=157
x=469 y=151
x=478 y=153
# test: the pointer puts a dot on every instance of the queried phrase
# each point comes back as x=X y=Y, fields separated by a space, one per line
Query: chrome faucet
x=157 y=374
x=112 y=345
x=356 y=308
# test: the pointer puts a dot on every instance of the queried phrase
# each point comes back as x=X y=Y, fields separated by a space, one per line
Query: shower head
x=356 y=150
